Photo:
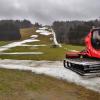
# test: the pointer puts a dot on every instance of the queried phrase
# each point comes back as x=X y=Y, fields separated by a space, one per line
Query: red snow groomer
x=86 y=62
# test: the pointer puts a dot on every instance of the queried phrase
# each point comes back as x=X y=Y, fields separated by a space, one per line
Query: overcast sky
x=47 y=11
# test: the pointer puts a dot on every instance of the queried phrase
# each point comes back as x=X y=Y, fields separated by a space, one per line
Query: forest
x=73 y=32
x=10 y=29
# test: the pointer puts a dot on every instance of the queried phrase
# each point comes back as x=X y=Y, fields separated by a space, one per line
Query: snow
x=34 y=36
x=43 y=32
x=25 y=45
x=73 y=50
x=54 y=69
x=43 y=28
x=21 y=53
x=55 y=40
x=15 y=44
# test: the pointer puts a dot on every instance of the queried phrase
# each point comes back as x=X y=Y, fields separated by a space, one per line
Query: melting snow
x=33 y=45
x=14 y=44
x=34 y=36
x=73 y=50
x=55 y=40
x=21 y=53
x=43 y=28
x=52 y=68
x=43 y=32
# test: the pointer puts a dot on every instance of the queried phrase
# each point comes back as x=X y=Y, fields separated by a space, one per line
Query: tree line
x=73 y=32
x=10 y=29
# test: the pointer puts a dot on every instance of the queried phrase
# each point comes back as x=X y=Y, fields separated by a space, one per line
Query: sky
x=48 y=11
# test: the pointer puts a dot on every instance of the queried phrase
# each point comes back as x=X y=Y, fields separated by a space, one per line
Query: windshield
x=96 y=39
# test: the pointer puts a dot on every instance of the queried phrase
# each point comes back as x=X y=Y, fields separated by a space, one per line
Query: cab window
x=96 y=39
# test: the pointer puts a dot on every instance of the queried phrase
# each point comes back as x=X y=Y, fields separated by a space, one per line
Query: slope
x=39 y=46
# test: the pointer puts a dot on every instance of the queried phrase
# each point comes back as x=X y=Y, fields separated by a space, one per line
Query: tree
x=73 y=31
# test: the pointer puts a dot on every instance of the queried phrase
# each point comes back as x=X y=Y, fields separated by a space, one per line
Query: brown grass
x=27 y=32
x=19 y=85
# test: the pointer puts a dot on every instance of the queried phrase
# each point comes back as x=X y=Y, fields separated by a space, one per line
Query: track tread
x=82 y=63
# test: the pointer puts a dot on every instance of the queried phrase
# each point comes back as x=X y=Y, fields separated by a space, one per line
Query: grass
x=20 y=85
x=69 y=47
x=27 y=32
x=3 y=43
x=50 y=53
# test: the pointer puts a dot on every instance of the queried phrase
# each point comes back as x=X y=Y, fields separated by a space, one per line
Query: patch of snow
x=43 y=28
x=55 y=40
x=51 y=39
x=14 y=44
x=34 y=36
x=54 y=69
x=66 y=74
x=29 y=40
x=73 y=50
x=43 y=32
x=21 y=53
x=38 y=31
x=33 y=45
